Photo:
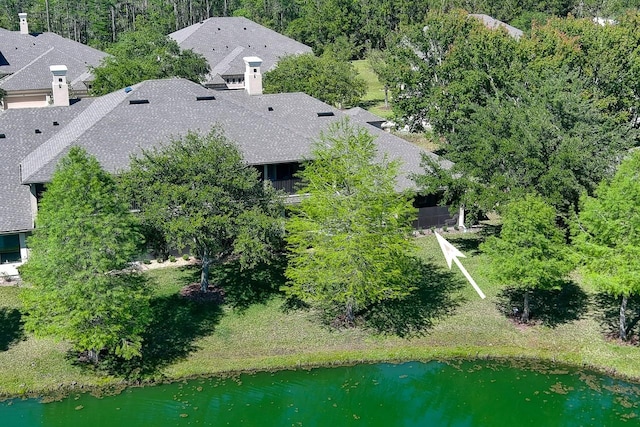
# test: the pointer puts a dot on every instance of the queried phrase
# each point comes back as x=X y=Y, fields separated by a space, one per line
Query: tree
x=530 y=252
x=347 y=241
x=83 y=287
x=327 y=78
x=142 y=55
x=546 y=138
x=607 y=233
x=199 y=193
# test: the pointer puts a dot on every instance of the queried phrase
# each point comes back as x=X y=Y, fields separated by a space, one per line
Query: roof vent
x=245 y=28
x=138 y=101
x=270 y=109
x=326 y=114
x=205 y=98
x=56 y=124
x=38 y=131
x=2 y=136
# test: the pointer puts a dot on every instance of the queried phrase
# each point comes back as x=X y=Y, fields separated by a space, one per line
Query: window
x=10 y=248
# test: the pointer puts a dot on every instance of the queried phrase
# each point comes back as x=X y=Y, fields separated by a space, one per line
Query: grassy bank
x=191 y=341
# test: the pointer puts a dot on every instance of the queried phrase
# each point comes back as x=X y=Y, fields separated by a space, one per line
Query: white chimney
x=252 y=75
x=59 y=86
x=24 y=25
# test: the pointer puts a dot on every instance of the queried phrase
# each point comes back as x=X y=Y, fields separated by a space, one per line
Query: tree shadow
x=11 y=327
x=244 y=287
x=607 y=311
x=469 y=245
x=434 y=297
x=550 y=307
x=366 y=104
x=176 y=323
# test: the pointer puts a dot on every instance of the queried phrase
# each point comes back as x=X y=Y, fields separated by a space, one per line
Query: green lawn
x=373 y=100
x=191 y=340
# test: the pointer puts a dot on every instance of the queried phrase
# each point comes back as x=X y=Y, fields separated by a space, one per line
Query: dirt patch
x=193 y=293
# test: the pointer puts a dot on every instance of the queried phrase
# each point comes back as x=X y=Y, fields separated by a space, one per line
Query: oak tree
x=200 y=194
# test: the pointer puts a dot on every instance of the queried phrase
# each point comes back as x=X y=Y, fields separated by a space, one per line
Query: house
x=274 y=132
x=25 y=61
x=224 y=41
x=493 y=23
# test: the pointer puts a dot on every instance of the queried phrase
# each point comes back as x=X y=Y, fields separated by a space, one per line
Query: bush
x=172 y=259
x=146 y=261
x=186 y=257
x=160 y=260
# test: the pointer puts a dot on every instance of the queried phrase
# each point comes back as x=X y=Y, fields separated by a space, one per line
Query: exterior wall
x=432 y=214
x=26 y=101
x=234 y=81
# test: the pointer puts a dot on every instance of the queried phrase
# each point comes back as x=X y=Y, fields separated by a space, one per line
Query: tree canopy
x=607 y=233
x=332 y=80
x=198 y=192
x=347 y=240
x=143 y=55
x=549 y=139
x=530 y=252
x=83 y=288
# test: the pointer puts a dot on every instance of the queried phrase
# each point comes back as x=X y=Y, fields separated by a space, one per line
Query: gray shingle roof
x=492 y=23
x=268 y=129
x=20 y=138
x=225 y=41
x=364 y=115
x=28 y=57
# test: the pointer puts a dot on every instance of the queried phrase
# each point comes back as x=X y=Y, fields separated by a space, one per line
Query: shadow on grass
x=433 y=298
x=176 y=323
x=550 y=307
x=469 y=244
x=244 y=287
x=607 y=310
x=11 y=327
x=368 y=103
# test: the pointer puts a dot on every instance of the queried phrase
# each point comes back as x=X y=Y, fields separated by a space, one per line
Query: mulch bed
x=192 y=292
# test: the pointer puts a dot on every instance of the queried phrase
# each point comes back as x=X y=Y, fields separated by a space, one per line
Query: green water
x=409 y=394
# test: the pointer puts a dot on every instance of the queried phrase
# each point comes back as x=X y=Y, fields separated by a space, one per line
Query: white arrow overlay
x=451 y=253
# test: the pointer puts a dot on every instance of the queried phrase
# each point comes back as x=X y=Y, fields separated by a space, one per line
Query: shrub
x=172 y=259
x=185 y=257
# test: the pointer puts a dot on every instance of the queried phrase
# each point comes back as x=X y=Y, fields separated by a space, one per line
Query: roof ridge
x=30 y=63
x=223 y=65
x=48 y=150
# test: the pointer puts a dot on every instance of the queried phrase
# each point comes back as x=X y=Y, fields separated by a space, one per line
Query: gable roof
x=268 y=129
x=493 y=23
x=224 y=41
x=18 y=138
x=25 y=59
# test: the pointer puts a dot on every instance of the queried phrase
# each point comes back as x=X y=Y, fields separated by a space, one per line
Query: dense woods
x=314 y=22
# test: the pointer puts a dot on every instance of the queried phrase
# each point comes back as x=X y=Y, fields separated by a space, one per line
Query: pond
x=458 y=393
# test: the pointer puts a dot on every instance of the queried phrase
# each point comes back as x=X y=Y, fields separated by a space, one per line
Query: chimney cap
x=252 y=61
x=58 y=70
x=22 y=15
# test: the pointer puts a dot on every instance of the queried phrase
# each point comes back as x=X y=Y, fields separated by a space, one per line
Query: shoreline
x=522 y=361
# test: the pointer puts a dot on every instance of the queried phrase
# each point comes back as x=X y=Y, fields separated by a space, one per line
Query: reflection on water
x=409 y=394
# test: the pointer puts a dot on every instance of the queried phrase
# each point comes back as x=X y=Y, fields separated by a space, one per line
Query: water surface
x=409 y=394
